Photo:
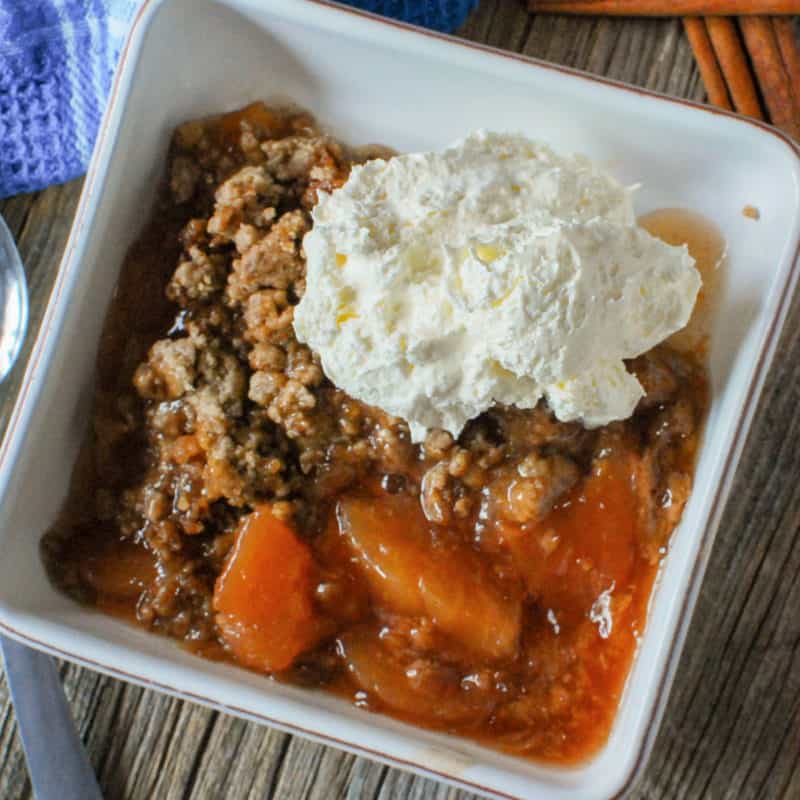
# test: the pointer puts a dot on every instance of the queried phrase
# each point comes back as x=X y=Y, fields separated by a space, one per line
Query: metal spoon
x=13 y=301
x=57 y=762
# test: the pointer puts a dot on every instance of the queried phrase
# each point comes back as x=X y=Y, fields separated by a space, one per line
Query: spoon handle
x=57 y=762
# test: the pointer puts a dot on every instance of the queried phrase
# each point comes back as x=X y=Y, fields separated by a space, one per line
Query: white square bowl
x=370 y=80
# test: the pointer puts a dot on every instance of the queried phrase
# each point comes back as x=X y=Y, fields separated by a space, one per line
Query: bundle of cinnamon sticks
x=746 y=50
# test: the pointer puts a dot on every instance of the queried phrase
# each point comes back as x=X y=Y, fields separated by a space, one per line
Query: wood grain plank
x=14 y=782
x=732 y=729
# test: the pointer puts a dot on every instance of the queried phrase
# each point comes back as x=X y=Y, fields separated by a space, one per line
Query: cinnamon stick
x=790 y=52
x=730 y=54
x=773 y=77
x=666 y=8
x=714 y=82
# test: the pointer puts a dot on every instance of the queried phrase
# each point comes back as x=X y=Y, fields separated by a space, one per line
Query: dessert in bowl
x=405 y=428
x=338 y=64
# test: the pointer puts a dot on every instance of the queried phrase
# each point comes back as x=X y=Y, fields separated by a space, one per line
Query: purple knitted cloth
x=57 y=60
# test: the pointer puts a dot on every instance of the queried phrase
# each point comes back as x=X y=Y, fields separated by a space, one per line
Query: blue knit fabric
x=440 y=15
x=57 y=60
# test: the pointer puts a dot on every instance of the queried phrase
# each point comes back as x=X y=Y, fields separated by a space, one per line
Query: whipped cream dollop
x=494 y=271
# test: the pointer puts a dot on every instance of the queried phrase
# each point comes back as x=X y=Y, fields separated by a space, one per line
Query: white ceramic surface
x=373 y=81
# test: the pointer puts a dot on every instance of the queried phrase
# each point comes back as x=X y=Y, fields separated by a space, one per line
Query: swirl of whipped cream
x=495 y=271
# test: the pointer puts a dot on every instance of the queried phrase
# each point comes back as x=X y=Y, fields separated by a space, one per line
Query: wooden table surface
x=732 y=728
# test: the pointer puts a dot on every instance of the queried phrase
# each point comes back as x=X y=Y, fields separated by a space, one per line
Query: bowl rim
x=13 y=439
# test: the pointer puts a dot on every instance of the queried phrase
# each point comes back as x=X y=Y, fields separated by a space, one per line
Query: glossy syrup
x=677 y=226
